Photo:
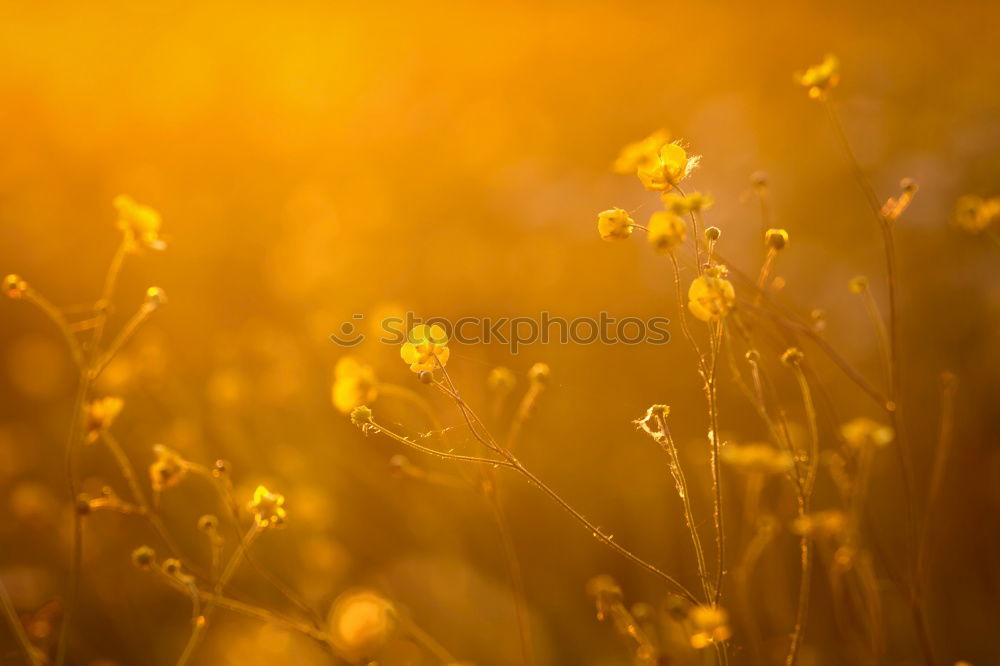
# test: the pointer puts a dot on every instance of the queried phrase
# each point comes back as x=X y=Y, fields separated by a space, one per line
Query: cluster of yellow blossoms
x=661 y=165
x=354 y=384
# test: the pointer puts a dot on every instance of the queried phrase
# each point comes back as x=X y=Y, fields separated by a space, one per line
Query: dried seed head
x=753 y=356
x=361 y=416
x=713 y=234
x=425 y=377
x=858 y=284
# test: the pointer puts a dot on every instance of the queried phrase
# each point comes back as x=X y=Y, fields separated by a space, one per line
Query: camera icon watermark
x=514 y=332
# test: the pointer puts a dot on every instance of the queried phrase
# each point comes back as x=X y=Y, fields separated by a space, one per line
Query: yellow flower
x=671 y=167
x=266 y=508
x=762 y=458
x=139 y=223
x=640 y=153
x=614 y=224
x=682 y=205
x=821 y=78
x=711 y=296
x=100 y=414
x=354 y=384
x=666 y=231
x=428 y=346
x=974 y=214
x=168 y=469
x=709 y=624
x=862 y=432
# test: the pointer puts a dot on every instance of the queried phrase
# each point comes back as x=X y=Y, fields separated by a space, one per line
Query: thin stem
x=201 y=621
x=423 y=638
x=881 y=333
x=434 y=452
x=805 y=544
x=713 y=411
x=60 y=322
x=10 y=612
x=131 y=326
x=670 y=447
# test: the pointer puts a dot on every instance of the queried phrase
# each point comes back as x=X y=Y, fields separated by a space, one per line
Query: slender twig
x=10 y=612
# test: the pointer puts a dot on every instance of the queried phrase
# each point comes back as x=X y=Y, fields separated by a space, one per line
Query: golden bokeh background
x=316 y=160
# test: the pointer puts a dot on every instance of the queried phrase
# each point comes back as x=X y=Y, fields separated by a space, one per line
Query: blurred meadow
x=312 y=161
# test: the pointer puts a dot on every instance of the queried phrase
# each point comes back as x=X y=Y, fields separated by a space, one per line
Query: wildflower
x=539 y=373
x=266 y=508
x=155 y=297
x=820 y=523
x=821 y=78
x=361 y=622
x=614 y=224
x=711 y=296
x=671 y=167
x=688 y=203
x=776 y=239
x=100 y=414
x=14 y=286
x=640 y=153
x=354 y=384
x=762 y=458
x=501 y=380
x=974 y=214
x=666 y=231
x=139 y=223
x=862 y=432
x=427 y=347
x=168 y=469
x=709 y=623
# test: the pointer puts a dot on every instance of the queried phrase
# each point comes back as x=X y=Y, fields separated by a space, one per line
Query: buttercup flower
x=666 y=231
x=974 y=214
x=821 y=78
x=168 y=469
x=614 y=224
x=671 y=167
x=640 y=153
x=266 y=508
x=428 y=346
x=139 y=223
x=862 y=432
x=354 y=384
x=709 y=623
x=711 y=296
x=100 y=414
